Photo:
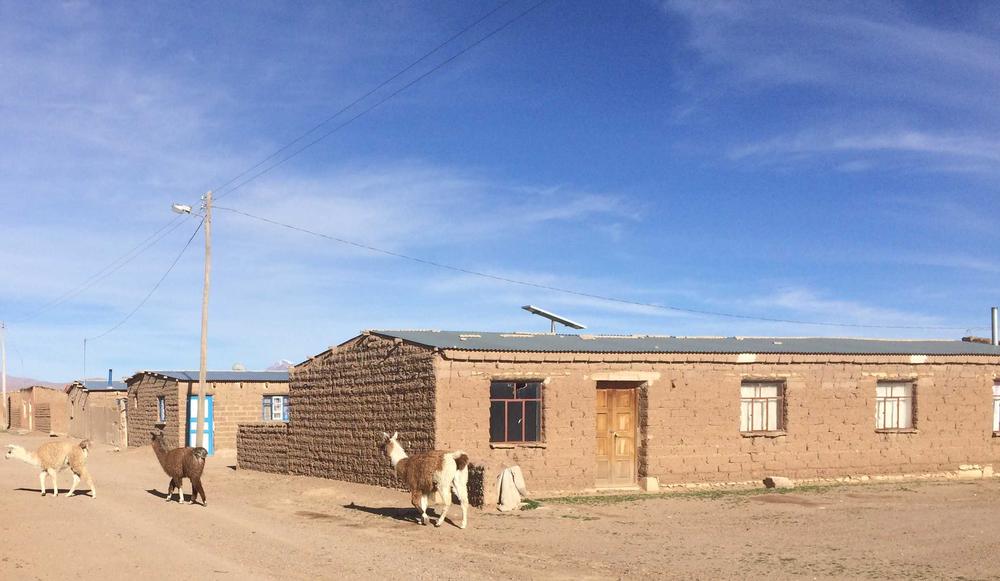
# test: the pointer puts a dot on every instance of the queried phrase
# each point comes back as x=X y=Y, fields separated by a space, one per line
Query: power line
x=152 y=290
x=605 y=298
x=371 y=92
x=156 y=237
x=110 y=269
x=416 y=80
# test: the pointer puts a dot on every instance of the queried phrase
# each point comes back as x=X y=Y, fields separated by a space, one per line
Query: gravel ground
x=271 y=526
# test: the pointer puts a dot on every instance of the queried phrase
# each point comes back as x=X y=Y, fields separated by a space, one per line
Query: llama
x=181 y=463
x=52 y=458
x=431 y=475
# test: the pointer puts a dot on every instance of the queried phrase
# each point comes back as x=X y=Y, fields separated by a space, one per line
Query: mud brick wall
x=234 y=403
x=17 y=410
x=343 y=399
x=689 y=415
x=263 y=446
x=24 y=410
x=142 y=411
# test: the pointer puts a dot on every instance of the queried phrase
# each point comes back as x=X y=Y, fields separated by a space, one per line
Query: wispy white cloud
x=863 y=151
x=882 y=87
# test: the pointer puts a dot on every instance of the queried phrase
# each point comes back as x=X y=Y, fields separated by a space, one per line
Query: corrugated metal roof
x=480 y=341
x=102 y=385
x=221 y=375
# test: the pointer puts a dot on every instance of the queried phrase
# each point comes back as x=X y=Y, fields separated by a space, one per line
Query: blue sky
x=788 y=160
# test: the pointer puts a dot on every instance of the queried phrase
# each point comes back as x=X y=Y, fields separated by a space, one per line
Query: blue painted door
x=208 y=436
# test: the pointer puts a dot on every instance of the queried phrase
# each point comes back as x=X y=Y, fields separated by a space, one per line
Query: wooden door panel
x=615 y=437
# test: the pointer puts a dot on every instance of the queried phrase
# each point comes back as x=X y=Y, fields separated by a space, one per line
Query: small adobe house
x=166 y=400
x=97 y=410
x=584 y=412
x=40 y=409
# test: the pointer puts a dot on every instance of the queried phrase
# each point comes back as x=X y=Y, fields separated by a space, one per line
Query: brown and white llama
x=54 y=457
x=181 y=463
x=431 y=475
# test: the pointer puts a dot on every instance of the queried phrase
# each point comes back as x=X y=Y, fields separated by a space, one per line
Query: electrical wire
x=411 y=83
x=605 y=298
x=108 y=270
x=152 y=290
x=371 y=92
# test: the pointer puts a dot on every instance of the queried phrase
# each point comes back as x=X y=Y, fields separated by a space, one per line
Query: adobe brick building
x=581 y=412
x=97 y=411
x=160 y=400
x=40 y=409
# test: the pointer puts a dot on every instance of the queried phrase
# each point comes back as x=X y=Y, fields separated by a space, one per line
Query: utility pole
x=3 y=371
x=202 y=369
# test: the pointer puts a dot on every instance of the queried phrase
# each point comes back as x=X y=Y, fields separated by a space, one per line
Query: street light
x=185 y=209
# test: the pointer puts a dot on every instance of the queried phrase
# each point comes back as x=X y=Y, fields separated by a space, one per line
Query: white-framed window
x=161 y=409
x=275 y=408
x=894 y=405
x=762 y=406
x=996 y=407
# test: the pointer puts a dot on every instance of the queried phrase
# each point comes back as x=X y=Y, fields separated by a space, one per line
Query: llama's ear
x=394 y=435
x=385 y=435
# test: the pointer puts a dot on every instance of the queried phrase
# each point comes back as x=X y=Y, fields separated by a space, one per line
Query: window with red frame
x=515 y=411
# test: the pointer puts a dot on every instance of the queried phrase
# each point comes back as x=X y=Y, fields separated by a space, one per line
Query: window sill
x=774 y=434
x=996 y=434
x=160 y=425
x=896 y=431
x=512 y=445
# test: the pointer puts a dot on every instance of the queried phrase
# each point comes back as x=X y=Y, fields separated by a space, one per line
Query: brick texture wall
x=690 y=416
x=343 y=400
x=54 y=407
x=142 y=411
x=234 y=403
x=263 y=447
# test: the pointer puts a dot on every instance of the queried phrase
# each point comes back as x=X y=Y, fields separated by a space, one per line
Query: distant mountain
x=280 y=365
x=16 y=383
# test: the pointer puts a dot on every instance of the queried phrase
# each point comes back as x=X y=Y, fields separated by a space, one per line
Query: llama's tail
x=85 y=444
x=461 y=459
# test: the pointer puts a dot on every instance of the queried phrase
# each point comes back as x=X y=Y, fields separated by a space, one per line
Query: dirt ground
x=271 y=526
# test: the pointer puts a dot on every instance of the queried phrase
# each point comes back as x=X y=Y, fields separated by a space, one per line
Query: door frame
x=192 y=422
x=635 y=387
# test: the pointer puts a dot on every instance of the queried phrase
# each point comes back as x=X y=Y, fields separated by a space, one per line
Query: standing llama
x=181 y=463
x=52 y=458
x=431 y=475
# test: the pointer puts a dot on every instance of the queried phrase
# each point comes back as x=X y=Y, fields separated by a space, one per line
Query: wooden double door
x=616 y=437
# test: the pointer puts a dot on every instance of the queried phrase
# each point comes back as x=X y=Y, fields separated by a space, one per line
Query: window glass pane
x=501 y=390
x=747 y=391
x=497 y=421
x=745 y=416
x=515 y=423
x=267 y=409
x=532 y=421
x=772 y=415
x=767 y=391
x=996 y=390
x=285 y=416
x=881 y=390
x=996 y=415
x=904 y=418
x=528 y=390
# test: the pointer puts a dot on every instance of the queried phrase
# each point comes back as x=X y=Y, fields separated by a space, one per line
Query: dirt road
x=264 y=526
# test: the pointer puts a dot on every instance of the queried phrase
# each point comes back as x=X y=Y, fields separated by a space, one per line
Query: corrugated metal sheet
x=220 y=376
x=481 y=341
x=102 y=385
